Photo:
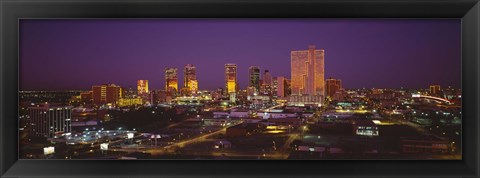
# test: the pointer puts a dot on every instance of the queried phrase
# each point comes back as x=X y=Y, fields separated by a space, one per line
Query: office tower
x=288 y=88
x=274 y=86
x=231 y=78
x=435 y=89
x=267 y=78
x=47 y=120
x=307 y=72
x=171 y=80
x=193 y=86
x=332 y=86
x=142 y=87
x=190 y=78
x=106 y=94
x=254 y=77
x=266 y=87
x=280 y=86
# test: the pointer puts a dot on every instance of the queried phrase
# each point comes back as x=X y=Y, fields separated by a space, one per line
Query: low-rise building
x=365 y=127
x=426 y=144
x=122 y=102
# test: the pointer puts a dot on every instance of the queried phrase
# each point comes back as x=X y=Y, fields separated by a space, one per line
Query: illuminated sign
x=48 y=150
x=104 y=146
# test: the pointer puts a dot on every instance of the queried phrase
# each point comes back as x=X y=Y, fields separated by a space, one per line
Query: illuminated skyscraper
x=307 y=72
x=279 y=86
x=267 y=78
x=288 y=88
x=231 y=78
x=142 y=87
x=254 y=77
x=171 y=80
x=332 y=86
x=266 y=87
x=190 y=78
x=105 y=94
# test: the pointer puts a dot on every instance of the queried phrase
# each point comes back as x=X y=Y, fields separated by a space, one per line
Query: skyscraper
x=288 y=88
x=266 y=87
x=142 y=87
x=231 y=78
x=332 y=86
x=267 y=77
x=190 y=78
x=307 y=72
x=280 y=88
x=171 y=80
x=254 y=77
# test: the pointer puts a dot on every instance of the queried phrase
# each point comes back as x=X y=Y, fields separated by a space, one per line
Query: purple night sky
x=372 y=53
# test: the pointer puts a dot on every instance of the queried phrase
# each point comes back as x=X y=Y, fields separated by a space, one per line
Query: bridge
x=438 y=99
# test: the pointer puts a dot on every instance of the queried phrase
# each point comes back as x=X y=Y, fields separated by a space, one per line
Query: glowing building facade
x=193 y=86
x=106 y=94
x=266 y=87
x=307 y=74
x=129 y=102
x=142 y=87
x=254 y=77
x=231 y=78
x=280 y=86
x=171 y=80
x=190 y=78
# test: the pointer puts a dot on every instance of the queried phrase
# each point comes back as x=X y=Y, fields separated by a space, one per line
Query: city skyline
x=432 y=44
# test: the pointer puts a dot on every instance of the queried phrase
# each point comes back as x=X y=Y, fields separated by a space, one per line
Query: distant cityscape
x=302 y=116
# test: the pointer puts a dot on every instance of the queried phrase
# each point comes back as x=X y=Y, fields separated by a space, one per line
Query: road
x=158 y=151
x=286 y=146
x=268 y=109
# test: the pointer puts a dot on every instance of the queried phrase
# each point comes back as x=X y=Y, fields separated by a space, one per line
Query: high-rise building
x=171 y=80
x=280 y=87
x=254 y=77
x=274 y=86
x=267 y=78
x=190 y=78
x=266 y=87
x=332 y=86
x=231 y=84
x=288 y=88
x=307 y=72
x=142 y=87
x=47 y=120
x=106 y=94
x=435 y=89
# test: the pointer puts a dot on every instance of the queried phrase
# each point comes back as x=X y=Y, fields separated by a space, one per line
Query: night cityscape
x=317 y=89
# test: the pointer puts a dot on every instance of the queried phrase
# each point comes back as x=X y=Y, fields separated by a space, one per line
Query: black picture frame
x=12 y=10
